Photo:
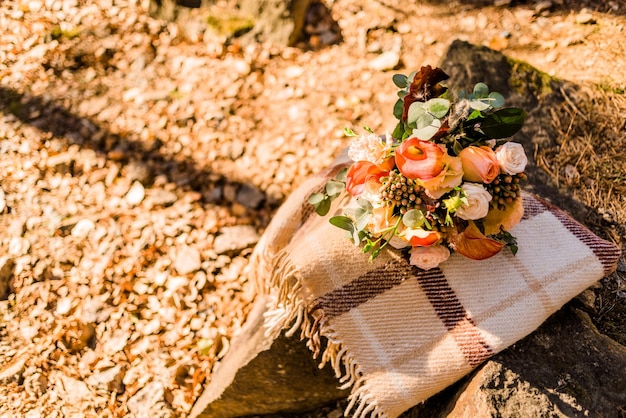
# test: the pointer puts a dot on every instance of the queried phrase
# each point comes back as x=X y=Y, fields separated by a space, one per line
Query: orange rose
x=473 y=244
x=417 y=159
x=363 y=173
x=480 y=164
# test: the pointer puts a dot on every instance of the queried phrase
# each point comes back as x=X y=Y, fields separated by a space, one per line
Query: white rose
x=512 y=158
x=368 y=148
x=477 y=205
x=428 y=257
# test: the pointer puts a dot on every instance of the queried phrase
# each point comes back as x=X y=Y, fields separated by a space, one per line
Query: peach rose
x=417 y=159
x=450 y=176
x=480 y=164
x=427 y=258
x=365 y=172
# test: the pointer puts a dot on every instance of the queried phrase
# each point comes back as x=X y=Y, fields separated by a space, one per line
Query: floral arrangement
x=447 y=178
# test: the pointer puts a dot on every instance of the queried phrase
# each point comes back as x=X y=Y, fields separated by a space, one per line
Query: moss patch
x=231 y=26
x=527 y=80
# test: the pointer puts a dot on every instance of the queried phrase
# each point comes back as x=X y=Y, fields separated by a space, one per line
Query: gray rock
x=138 y=171
x=6 y=273
x=187 y=260
x=277 y=21
x=265 y=375
x=135 y=194
x=146 y=399
x=250 y=196
x=161 y=197
x=234 y=239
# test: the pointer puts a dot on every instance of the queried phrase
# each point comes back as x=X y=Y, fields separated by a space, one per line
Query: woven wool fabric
x=398 y=334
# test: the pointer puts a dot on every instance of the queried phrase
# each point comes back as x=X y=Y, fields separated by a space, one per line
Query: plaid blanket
x=398 y=334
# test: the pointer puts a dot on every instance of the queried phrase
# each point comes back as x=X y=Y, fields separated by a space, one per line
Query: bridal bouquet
x=447 y=178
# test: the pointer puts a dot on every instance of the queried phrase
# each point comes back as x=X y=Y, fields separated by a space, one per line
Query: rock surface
x=566 y=368
x=265 y=375
x=6 y=273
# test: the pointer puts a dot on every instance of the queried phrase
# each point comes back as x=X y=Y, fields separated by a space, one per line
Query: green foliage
x=400 y=80
x=508 y=239
x=415 y=218
x=503 y=123
x=333 y=188
x=349 y=132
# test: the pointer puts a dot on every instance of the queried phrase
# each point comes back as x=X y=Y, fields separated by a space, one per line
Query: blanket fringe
x=274 y=275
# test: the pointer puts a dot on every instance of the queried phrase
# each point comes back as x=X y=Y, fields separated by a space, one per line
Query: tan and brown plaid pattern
x=403 y=334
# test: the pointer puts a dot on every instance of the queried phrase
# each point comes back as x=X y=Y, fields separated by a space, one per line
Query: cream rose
x=477 y=205
x=512 y=158
x=428 y=257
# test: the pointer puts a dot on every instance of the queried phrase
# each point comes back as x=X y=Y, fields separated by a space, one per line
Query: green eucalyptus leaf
x=342 y=222
x=398 y=109
x=400 y=80
x=497 y=100
x=427 y=132
x=416 y=111
x=398 y=132
x=424 y=120
x=437 y=107
x=315 y=198
x=333 y=187
x=323 y=207
x=503 y=123
x=341 y=175
x=413 y=218
x=365 y=204
x=481 y=90
x=479 y=104
x=361 y=218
